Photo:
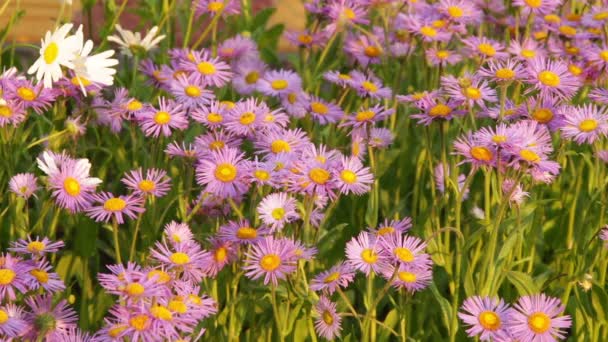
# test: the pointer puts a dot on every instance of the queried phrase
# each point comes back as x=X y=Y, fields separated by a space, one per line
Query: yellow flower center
x=305 y=39
x=116 y=330
x=442 y=54
x=385 y=230
x=407 y=277
x=279 y=146
x=455 y=11
x=529 y=155
x=262 y=175
x=227 y=104
x=214 y=118
x=3 y=316
x=217 y=145
x=539 y=35
x=220 y=255
x=472 y=93
x=319 y=175
x=528 y=53
x=179 y=258
x=178 y=306
x=489 y=320
x=78 y=80
x=439 y=23
x=328 y=318
x=225 y=172
x=534 y=3
x=348 y=176
x=369 y=86
x=215 y=6
x=567 y=30
x=404 y=254
x=161 y=276
x=486 y=49
x=319 y=108
x=139 y=322
x=279 y=84
x=348 y=13
x=539 y=322
x=270 y=262
x=369 y=256
x=26 y=93
x=246 y=233
x=331 y=278
x=134 y=105
x=252 y=77
x=549 y=78
x=604 y=55
x=40 y=275
x=162 y=118
x=146 y=185
x=5 y=111
x=588 y=125
x=552 y=18
x=499 y=139
x=481 y=153
x=601 y=16
x=344 y=77
x=572 y=50
x=543 y=115
x=115 y=204
x=428 y=31
x=365 y=115
x=440 y=110
x=278 y=213
x=50 y=53
x=135 y=289
x=206 y=68
x=71 y=186
x=372 y=51
x=575 y=69
x=36 y=247
x=161 y=313
x=247 y=118
x=505 y=73
x=6 y=276
x=192 y=91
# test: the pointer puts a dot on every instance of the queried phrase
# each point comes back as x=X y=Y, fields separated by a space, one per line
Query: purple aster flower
x=426 y=28
x=367 y=116
x=271 y=259
x=393 y=226
x=300 y=251
x=515 y=191
x=439 y=174
x=242 y=232
x=604 y=235
x=599 y=95
x=262 y=173
x=238 y=48
x=155 y=183
x=442 y=57
x=380 y=137
x=41 y=276
x=585 y=124
x=538 y=7
x=502 y=71
x=223 y=173
x=32 y=96
x=460 y=11
x=536 y=318
x=217 y=7
x=287 y=141
x=245 y=117
x=37 y=247
x=341 y=79
x=487 y=318
x=23 y=184
x=328 y=323
x=190 y=92
x=346 y=12
x=178 y=233
x=602 y=155
x=248 y=74
x=484 y=48
x=115 y=207
x=352 y=176
x=365 y=49
x=544 y=110
x=13 y=276
x=295 y=103
x=11 y=321
x=404 y=249
x=324 y=112
x=434 y=108
x=470 y=90
x=207 y=69
x=339 y=276
x=532 y=152
x=369 y=86
x=365 y=254
x=528 y=50
x=216 y=141
x=223 y=252
x=551 y=77
x=72 y=187
x=280 y=82
x=47 y=320
x=211 y=115
x=412 y=278
x=169 y=115
x=274 y=119
x=183 y=150
x=313 y=177
x=75 y=335
x=153 y=72
x=305 y=39
x=276 y=210
x=474 y=151
x=11 y=113
x=189 y=259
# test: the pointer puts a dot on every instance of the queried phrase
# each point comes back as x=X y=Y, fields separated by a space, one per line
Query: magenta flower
x=528 y=50
x=242 y=232
x=207 y=69
x=484 y=48
x=211 y=115
x=552 y=78
x=187 y=258
x=223 y=173
x=365 y=49
x=474 y=151
x=23 y=184
x=155 y=183
x=48 y=321
x=170 y=115
x=223 y=253
x=352 y=176
x=11 y=113
x=41 y=276
x=11 y=321
x=470 y=90
x=13 y=276
x=215 y=7
x=442 y=57
x=245 y=117
x=538 y=7
x=277 y=210
x=24 y=93
x=280 y=82
x=393 y=226
x=248 y=74
x=328 y=323
x=37 y=247
x=178 y=233
x=323 y=111
x=289 y=142
x=339 y=276
x=271 y=259
x=115 y=207
x=365 y=254
x=487 y=318
x=190 y=92
x=585 y=124
x=380 y=137
x=215 y=141
x=536 y=318
x=367 y=116
x=369 y=86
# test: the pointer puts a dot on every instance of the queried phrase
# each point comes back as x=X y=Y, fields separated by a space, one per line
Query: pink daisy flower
x=23 y=185
x=328 y=323
x=585 y=124
x=115 y=207
x=270 y=259
x=352 y=176
x=223 y=173
x=487 y=318
x=365 y=254
x=537 y=318
x=207 y=69
x=339 y=276
x=242 y=232
x=277 y=210
x=37 y=247
x=280 y=82
x=190 y=92
x=170 y=115
x=155 y=183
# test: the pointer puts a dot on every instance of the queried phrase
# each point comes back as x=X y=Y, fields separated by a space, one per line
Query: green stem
x=134 y=241
x=116 y=245
x=275 y=311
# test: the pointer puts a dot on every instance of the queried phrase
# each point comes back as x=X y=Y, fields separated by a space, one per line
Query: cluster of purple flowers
x=533 y=318
x=27 y=288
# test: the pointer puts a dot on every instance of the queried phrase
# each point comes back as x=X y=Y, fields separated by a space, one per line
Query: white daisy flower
x=130 y=41
x=92 y=68
x=56 y=50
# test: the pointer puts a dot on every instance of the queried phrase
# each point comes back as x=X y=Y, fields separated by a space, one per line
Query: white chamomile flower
x=129 y=40
x=56 y=50
x=92 y=68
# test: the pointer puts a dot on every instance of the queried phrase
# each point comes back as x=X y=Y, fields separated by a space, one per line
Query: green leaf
x=524 y=284
x=446 y=309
